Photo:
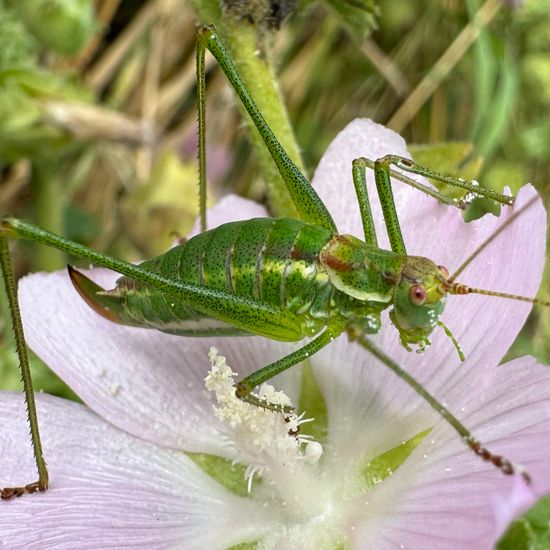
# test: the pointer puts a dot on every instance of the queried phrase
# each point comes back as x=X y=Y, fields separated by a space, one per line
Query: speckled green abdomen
x=272 y=260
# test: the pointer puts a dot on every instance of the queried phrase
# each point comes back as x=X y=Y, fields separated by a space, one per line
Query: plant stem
x=49 y=213
x=249 y=47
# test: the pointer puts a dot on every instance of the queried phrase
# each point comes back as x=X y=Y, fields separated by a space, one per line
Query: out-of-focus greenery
x=530 y=531
x=97 y=110
x=63 y=26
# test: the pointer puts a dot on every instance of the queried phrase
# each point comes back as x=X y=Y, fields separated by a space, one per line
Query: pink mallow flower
x=120 y=466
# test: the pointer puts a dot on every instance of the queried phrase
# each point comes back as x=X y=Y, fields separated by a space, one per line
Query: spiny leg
x=242 y=312
x=201 y=115
x=305 y=199
x=245 y=313
x=247 y=384
x=360 y=184
x=502 y=463
x=471 y=186
x=430 y=191
x=385 y=194
x=11 y=291
x=382 y=176
x=308 y=204
x=359 y=166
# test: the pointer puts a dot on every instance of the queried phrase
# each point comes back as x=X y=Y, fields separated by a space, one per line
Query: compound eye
x=444 y=271
x=417 y=295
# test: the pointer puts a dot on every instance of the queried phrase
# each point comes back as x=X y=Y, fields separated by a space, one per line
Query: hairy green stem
x=49 y=213
x=256 y=69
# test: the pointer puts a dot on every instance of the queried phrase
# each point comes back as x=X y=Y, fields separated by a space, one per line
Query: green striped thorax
x=414 y=285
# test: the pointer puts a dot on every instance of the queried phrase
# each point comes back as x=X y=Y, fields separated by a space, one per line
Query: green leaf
x=518 y=536
x=17 y=46
x=496 y=122
x=485 y=73
x=61 y=25
x=358 y=16
x=479 y=207
x=454 y=158
x=531 y=531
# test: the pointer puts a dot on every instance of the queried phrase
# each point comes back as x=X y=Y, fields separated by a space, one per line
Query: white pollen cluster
x=261 y=438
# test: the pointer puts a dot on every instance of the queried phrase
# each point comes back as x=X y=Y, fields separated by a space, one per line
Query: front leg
x=410 y=166
x=246 y=385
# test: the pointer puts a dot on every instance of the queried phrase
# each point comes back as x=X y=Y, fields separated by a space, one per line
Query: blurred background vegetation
x=98 y=120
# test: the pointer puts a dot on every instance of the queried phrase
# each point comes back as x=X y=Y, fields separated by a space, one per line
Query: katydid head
x=414 y=285
x=418 y=300
x=426 y=287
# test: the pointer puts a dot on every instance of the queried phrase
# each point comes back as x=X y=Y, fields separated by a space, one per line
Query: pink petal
x=505 y=509
x=333 y=182
x=143 y=381
x=443 y=495
x=512 y=263
x=357 y=388
x=360 y=390
x=230 y=208
x=147 y=383
x=111 y=490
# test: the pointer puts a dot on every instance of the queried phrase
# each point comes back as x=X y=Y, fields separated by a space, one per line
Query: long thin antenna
x=459 y=288
x=489 y=240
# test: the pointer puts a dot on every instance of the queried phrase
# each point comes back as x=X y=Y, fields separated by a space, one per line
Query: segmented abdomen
x=272 y=260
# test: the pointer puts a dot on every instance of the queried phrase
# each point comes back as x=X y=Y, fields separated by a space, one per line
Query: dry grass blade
x=444 y=65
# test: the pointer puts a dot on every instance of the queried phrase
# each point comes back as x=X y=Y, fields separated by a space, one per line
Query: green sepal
x=312 y=402
x=226 y=473
x=384 y=465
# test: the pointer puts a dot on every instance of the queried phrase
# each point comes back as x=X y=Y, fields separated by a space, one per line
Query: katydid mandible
x=284 y=279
